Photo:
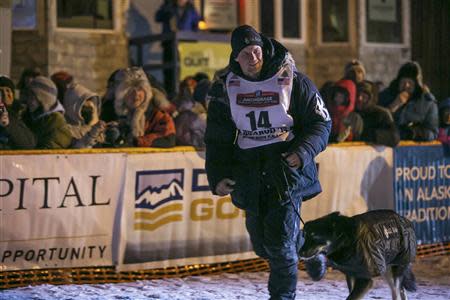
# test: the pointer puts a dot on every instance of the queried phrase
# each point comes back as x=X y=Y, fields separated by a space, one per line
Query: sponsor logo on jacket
x=258 y=99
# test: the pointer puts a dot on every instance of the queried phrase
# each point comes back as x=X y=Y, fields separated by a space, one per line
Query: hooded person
x=347 y=125
x=379 y=127
x=45 y=115
x=82 y=109
x=266 y=123
x=355 y=71
x=444 y=118
x=63 y=80
x=414 y=108
x=145 y=124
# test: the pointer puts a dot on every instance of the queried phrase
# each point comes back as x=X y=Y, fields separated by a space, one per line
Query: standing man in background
x=175 y=15
x=266 y=123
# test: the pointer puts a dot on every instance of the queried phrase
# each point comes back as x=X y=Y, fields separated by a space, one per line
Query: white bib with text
x=259 y=109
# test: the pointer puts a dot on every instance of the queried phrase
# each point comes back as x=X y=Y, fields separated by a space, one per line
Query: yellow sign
x=207 y=57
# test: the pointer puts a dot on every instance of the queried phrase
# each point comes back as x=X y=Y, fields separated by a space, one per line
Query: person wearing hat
x=355 y=71
x=14 y=134
x=414 y=108
x=45 y=115
x=378 y=124
x=266 y=123
x=8 y=89
x=142 y=123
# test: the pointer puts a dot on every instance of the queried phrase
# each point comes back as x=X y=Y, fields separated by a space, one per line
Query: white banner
x=58 y=211
x=171 y=217
x=354 y=180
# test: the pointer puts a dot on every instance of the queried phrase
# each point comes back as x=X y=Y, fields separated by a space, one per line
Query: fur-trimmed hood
x=74 y=98
x=129 y=79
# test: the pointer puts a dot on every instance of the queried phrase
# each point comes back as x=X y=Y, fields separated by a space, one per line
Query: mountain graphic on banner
x=156 y=196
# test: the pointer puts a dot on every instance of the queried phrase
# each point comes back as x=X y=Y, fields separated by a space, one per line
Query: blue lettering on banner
x=422 y=190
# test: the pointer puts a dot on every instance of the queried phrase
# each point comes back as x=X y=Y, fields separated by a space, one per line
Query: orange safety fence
x=96 y=275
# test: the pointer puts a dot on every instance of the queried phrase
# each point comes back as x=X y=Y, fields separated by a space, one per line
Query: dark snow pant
x=275 y=236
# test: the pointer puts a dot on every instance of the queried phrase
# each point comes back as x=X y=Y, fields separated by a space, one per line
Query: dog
x=375 y=243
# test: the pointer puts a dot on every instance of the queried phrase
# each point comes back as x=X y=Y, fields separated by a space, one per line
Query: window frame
x=115 y=20
x=405 y=32
x=320 y=23
x=278 y=25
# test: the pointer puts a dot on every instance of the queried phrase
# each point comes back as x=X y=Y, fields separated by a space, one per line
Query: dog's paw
x=316 y=267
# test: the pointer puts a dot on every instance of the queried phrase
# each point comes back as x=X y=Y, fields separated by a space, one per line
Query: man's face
x=362 y=101
x=8 y=95
x=407 y=85
x=250 y=60
x=134 y=98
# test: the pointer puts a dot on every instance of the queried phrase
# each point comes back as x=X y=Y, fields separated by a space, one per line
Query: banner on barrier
x=422 y=190
x=354 y=180
x=58 y=211
x=172 y=218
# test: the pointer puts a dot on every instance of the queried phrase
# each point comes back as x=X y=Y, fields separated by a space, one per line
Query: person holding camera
x=412 y=105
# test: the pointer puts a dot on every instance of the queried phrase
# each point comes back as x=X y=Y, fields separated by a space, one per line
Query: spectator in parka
x=414 y=108
x=347 y=125
x=444 y=118
x=190 y=122
x=14 y=107
x=14 y=134
x=266 y=123
x=45 y=115
x=355 y=71
x=145 y=124
x=379 y=127
x=27 y=75
x=63 y=80
x=159 y=99
x=108 y=113
x=82 y=108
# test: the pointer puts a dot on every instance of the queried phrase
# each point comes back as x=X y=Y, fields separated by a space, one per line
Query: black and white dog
x=375 y=243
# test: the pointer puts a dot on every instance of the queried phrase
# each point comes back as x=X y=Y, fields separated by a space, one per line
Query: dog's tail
x=409 y=280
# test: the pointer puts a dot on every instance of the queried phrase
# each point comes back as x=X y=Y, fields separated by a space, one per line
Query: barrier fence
x=147 y=213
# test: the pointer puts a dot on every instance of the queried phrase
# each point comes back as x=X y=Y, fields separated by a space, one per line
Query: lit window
x=90 y=14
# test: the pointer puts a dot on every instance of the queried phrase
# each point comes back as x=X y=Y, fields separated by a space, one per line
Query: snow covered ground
x=432 y=274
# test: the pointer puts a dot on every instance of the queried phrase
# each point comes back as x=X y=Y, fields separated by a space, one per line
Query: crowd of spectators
x=58 y=112
x=362 y=110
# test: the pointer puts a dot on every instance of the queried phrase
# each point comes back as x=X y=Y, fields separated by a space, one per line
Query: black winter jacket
x=259 y=171
x=373 y=241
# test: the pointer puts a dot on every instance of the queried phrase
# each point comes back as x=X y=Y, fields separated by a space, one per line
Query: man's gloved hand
x=292 y=160
x=225 y=186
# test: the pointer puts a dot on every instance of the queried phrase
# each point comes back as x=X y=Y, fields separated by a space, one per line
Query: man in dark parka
x=266 y=123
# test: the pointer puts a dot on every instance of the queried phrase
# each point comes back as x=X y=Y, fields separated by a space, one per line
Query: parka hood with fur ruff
x=74 y=99
x=129 y=79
